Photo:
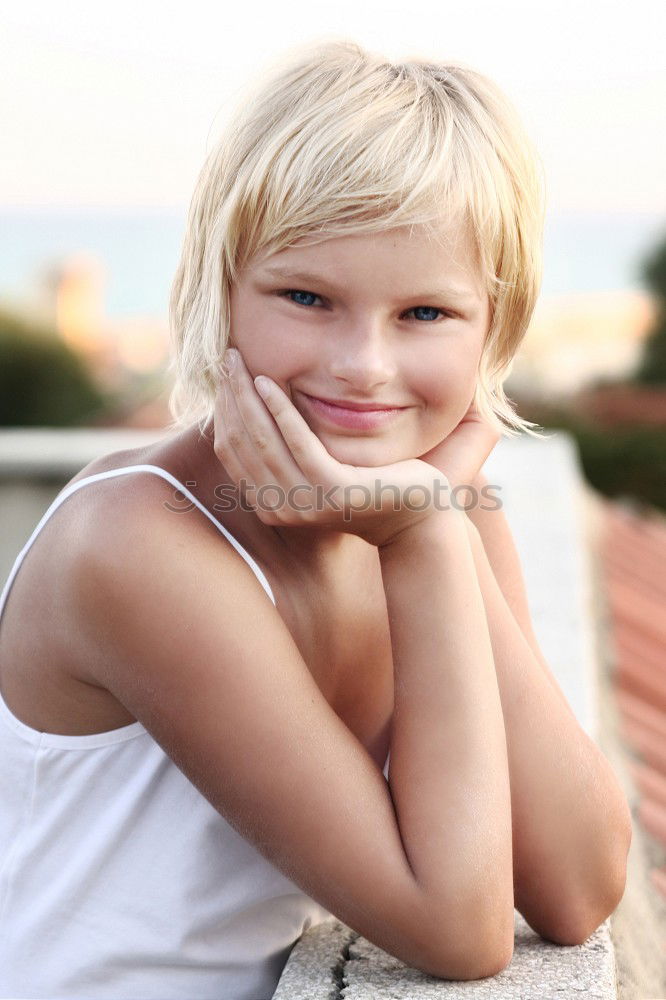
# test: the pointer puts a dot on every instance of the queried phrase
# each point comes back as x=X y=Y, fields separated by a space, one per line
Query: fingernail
x=263 y=386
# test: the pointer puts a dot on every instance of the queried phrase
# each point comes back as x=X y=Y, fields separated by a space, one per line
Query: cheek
x=267 y=349
x=445 y=388
x=267 y=356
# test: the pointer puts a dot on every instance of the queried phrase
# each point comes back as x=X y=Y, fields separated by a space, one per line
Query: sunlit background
x=108 y=112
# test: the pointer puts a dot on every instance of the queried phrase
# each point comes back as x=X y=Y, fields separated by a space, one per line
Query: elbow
x=477 y=955
x=586 y=916
x=581 y=908
x=482 y=963
x=492 y=963
x=575 y=931
x=592 y=912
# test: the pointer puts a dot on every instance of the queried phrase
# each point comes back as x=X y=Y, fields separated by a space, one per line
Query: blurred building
x=69 y=297
x=575 y=340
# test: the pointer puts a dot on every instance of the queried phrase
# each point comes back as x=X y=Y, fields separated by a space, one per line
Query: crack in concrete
x=339 y=967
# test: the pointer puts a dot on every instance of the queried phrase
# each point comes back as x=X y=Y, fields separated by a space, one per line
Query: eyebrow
x=451 y=291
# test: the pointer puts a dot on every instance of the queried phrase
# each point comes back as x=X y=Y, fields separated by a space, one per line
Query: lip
x=346 y=417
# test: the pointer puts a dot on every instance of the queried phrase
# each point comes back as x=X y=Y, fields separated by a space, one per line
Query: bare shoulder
x=122 y=503
x=113 y=460
x=144 y=572
x=135 y=526
x=130 y=528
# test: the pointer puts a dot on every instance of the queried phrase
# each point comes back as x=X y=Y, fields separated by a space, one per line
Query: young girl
x=214 y=641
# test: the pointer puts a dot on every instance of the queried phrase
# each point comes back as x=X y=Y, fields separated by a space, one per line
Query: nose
x=362 y=357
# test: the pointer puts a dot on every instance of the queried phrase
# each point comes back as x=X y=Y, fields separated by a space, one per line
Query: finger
x=296 y=478
x=264 y=453
x=462 y=453
x=312 y=458
x=227 y=431
x=473 y=446
x=265 y=449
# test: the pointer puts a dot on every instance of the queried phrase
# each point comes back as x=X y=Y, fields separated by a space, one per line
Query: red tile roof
x=633 y=561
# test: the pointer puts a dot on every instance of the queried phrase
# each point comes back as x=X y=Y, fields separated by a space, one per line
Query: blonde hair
x=335 y=140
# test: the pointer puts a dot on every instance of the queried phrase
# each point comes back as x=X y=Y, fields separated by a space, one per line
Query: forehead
x=445 y=257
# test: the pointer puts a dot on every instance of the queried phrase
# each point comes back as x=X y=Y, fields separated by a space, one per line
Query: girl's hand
x=268 y=444
x=463 y=452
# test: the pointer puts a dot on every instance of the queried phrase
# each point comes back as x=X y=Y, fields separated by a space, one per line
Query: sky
x=117 y=104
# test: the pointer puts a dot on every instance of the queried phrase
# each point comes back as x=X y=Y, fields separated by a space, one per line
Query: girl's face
x=391 y=319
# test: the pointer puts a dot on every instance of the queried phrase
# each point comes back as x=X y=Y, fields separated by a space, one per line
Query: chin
x=367 y=451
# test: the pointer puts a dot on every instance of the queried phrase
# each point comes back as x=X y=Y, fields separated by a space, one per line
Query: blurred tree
x=622 y=461
x=652 y=369
x=42 y=381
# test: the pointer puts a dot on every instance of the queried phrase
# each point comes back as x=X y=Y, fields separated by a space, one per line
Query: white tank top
x=118 y=879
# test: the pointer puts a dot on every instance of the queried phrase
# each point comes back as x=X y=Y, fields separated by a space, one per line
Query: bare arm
x=448 y=767
x=500 y=549
x=571 y=822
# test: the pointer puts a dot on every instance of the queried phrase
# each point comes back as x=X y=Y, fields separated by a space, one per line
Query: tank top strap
x=157 y=470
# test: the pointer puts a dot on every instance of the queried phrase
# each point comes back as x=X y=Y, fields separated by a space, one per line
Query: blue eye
x=287 y=293
x=431 y=309
x=296 y=291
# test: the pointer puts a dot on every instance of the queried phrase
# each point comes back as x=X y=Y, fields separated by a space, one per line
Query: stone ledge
x=331 y=962
x=316 y=966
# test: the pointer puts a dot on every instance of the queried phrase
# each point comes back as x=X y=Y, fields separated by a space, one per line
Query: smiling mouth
x=356 y=407
x=354 y=419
